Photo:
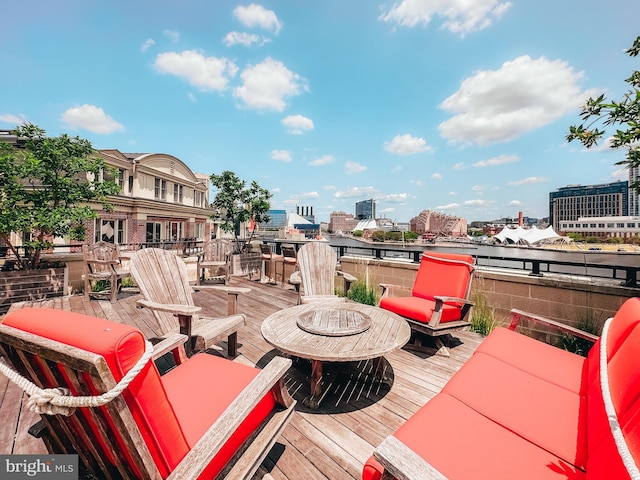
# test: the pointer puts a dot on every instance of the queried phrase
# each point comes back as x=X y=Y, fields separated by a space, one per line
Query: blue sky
x=456 y=106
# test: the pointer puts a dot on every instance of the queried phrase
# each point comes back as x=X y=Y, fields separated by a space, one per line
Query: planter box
x=23 y=285
x=246 y=264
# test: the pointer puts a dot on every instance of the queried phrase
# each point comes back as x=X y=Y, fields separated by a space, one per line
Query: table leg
x=316 y=384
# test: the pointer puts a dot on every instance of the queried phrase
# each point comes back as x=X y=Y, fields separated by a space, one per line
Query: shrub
x=580 y=346
x=483 y=319
x=359 y=292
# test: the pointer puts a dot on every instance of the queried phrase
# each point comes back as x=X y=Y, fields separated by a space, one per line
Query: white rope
x=621 y=444
x=58 y=401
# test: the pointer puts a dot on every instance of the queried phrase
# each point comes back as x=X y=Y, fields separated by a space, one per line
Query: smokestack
x=297 y=210
x=520 y=221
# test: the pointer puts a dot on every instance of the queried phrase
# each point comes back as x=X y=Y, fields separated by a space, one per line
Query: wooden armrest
x=403 y=463
x=388 y=287
x=452 y=300
x=517 y=315
x=195 y=461
x=170 y=343
x=347 y=276
x=169 y=307
x=104 y=262
x=223 y=288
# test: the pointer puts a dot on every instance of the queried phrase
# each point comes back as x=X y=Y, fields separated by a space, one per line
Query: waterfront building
x=341 y=222
x=569 y=203
x=366 y=210
x=439 y=224
x=277 y=220
x=604 y=227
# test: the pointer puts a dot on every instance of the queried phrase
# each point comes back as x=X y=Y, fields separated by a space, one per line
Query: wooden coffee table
x=335 y=332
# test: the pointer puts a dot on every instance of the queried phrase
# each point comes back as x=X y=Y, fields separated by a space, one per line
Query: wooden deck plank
x=332 y=442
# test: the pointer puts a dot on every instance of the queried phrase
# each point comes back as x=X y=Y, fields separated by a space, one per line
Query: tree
x=45 y=187
x=624 y=113
x=236 y=203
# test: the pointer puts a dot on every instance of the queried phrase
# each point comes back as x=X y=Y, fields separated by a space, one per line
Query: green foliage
x=624 y=114
x=410 y=236
x=378 y=236
x=45 y=187
x=393 y=236
x=357 y=233
x=580 y=346
x=359 y=292
x=236 y=203
x=483 y=319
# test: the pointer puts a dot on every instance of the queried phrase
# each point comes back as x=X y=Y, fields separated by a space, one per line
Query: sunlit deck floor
x=332 y=442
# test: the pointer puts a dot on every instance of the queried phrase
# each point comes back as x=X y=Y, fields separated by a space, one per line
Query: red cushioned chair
x=438 y=302
x=159 y=426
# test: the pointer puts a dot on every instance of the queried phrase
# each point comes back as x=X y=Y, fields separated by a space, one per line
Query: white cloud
x=436 y=176
x=267 y=85
x=458 y=16
x=499 y=160
x=172 y=35
x=297 y=124
x=148 y=43
x=459 y=166
x=394 y=197
x=500 y=105
x=418 y=183
x=324 y=160
x=353 y=167
x=257 y=16
x=466 y=203
x=296 y=199
x=620 y=174
x=356 y=192
x=244 y=38
x=204 y=73
x=527 y=181
x=13 y=119
x=515 y=203
x=387 y=210
x=407 y=145
x=281 y=155
x=329 y=187
x=91 y=118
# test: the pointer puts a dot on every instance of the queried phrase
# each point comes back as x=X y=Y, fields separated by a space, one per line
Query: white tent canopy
x=295 y=219
x=529 y=236
x=368 y=224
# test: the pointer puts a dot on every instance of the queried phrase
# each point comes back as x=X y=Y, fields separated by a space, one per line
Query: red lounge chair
x=438 y=302
x=520 y=408
x=207 y=418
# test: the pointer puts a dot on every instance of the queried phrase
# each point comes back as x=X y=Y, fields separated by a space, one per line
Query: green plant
x=580 y=346
x=46 y=186
x=624 y=113
x=483 y=319
x=359 y=292
x=236 y=203
x=357 y=233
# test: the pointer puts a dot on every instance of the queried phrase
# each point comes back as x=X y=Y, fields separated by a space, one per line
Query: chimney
x=520 y=221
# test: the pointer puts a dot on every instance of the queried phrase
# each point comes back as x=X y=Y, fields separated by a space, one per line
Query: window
x=153 y=231
x=118 y=178
x=199 y=231
x=177 y=193
x=111 y=231
x=198 y=198
x=175 y=231
x=160 y=192
x=631 y=225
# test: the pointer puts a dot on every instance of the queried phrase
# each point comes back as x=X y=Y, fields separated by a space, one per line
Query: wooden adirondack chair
x=164 y=283
x=316 y=273
x=438 y=302
x=158 y=427
x=102 y=262
x=215 y=257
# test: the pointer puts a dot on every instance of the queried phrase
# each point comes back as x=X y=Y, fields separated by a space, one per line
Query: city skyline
x=416 y=105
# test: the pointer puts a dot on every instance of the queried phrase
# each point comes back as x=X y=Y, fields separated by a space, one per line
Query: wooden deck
x=332 y=442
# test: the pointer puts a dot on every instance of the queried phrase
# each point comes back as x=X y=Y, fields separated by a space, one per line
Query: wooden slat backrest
x=100 y=251
x=317 y=263
x=217 y=250
x=106 y=439
x=163 y=278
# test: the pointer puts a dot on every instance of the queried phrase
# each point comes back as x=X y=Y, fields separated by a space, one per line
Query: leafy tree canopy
x=599 y=113
x=46 y=185
x=236 y=203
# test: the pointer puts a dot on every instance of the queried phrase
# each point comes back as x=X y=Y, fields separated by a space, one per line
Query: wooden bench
x=520 y=408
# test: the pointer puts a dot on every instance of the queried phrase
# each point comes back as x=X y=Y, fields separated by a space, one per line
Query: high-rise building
x=574 y=201
x=634 y=177
x=366 y=210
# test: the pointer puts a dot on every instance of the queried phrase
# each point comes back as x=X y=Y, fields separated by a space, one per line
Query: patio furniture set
x=518 y=409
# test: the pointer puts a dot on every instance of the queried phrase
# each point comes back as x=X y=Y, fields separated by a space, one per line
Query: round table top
x=386 y=332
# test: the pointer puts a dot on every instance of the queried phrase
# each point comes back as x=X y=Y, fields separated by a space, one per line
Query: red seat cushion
x=537 y=358
x=443 y=274
x=549 y=416
x=419 y=309
x=121 y=346
x=463 y=445
x=201 y=389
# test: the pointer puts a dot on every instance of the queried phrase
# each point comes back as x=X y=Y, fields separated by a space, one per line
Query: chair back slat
x=317 y=263
x=170 y=286
x=217 y=250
